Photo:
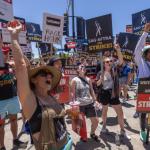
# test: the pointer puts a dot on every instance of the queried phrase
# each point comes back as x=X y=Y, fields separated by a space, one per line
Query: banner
x=6 y=10
x=52 y=28
x=139 y=19
x=127 y=42
x=99 y=33
x=34 y=32
x=80 y=28
x=143 y=99
x=22 y=35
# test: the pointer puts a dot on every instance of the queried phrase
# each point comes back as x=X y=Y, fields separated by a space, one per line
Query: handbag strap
x=85 y=81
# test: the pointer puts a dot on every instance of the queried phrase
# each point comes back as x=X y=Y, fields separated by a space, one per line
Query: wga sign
x=143 y=19
x=98 y=29
x=125 y=43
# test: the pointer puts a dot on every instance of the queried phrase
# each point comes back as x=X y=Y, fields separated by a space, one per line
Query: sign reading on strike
x=143 y=99
x=127 y=42
x=99 y=33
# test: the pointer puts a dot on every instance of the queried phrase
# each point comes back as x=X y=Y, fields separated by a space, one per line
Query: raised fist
x=14 y=26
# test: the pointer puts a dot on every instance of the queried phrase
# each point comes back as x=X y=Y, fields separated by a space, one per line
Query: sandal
x=94 y=137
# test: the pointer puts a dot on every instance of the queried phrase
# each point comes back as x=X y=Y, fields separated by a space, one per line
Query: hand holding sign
x=117 y=47
x=14 y=27
x=147 y=27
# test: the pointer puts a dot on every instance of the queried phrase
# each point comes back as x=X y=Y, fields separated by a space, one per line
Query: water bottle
x=117 y=139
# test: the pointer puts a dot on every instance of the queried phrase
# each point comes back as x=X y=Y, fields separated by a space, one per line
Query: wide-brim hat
x=54 y=71
x=146 y=48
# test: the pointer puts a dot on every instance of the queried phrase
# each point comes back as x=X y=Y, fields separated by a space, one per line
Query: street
x=107 y=141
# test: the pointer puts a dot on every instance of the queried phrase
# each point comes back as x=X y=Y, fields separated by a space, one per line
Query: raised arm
x=25 y=95
x=141 y=43
x=119 y=54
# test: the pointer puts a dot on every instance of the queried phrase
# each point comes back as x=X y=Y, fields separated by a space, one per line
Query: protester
x=56 y=62
x=123 y=72
x=142 y=59
x=82 y=91
x=108 y=82
x=9 y=103
x=45 y=115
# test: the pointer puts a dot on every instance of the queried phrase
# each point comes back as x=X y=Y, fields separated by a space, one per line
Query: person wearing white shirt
x=142 y=59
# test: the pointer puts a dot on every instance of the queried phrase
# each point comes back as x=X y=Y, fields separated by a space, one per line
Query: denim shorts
x=9 y=107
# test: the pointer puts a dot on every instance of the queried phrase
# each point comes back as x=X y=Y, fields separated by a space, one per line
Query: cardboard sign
x=99 y=33
x=143 y=99
x=6 y=10
x=52 y=28
x=34 y=32
x=22 y=35
x=127 y=42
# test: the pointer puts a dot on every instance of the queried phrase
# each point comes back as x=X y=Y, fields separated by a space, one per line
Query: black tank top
x=35 y=121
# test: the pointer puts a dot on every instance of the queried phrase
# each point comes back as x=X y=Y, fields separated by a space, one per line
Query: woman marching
x=109 y=92
x=45 y=115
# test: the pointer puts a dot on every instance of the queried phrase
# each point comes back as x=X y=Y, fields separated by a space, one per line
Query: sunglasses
x=108 y=61
x=42 y=74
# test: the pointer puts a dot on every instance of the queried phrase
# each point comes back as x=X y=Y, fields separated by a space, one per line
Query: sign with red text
x=143 y=99
x=71 y=45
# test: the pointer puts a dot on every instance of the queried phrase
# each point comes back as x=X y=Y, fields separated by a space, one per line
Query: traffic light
x=66 y=25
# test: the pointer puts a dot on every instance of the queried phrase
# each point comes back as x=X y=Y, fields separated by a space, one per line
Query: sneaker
x=136 y=115
x=143 y=136
x=23 y=130
x=124 y=101
x=94 y=137
x=124 y=135
x=104 y=130
x=19 y=144
x=2 y=148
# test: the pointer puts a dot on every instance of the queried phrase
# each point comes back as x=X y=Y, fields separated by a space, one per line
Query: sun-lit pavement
x=107 y=141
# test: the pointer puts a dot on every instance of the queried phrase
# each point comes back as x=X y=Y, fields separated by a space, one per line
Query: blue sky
x=32 y=10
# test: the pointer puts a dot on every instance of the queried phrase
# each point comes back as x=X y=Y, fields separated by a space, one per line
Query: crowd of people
x=34 y=90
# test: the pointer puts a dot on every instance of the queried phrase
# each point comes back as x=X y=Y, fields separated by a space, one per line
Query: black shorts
x=88 y=110
x=105 y=98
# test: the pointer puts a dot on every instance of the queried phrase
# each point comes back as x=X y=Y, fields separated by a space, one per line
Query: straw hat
x=54 y=71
